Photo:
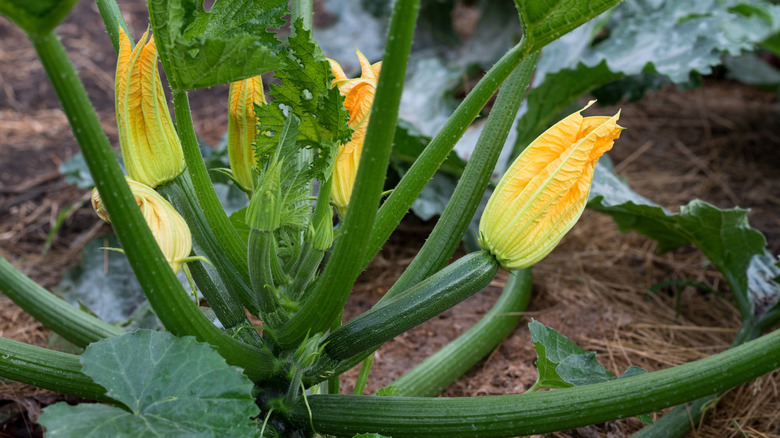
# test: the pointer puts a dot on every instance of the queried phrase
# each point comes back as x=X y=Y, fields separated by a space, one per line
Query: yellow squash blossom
x=244 y=95
x=150 y=146
x=545 y=190
x=169 y=229
x=358 y=96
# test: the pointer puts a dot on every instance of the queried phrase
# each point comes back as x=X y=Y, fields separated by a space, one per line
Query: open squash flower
x=242 y=126
x=169 y=229
x=150 y=147
x=358 y=97
x=543 y=194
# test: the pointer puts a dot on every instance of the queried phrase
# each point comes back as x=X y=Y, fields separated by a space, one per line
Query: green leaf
x=724 y=236
x=545 y=21
x=104 y=284
x=238 y=219
x=409 y=143
x=764 y=283
x=387 y=391
x=36 y=17
x=563 y=364
x=640 y=52
x=371 y=435
x=554 y=349
x=226 y=44
x=305 y=92
x=280 y=194
x=76 y=172
x=649 y=36
x=169 y=386
x=749 y=68
x=231 y=197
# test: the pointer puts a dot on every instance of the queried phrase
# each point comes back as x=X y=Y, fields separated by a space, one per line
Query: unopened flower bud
x=169 y=229
x=150 y=147
x=242 y=126
x=543 y=193
x=358 y=97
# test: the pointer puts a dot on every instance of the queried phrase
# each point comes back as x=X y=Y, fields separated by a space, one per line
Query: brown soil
x=718 y=143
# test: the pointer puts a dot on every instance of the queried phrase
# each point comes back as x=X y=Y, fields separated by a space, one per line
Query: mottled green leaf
x=169 y=387
x=104 y=284
x=749 y=68
x=645 y=44
x=36 y=17
x=230 y=42
x=668 y=37
x=724 y=236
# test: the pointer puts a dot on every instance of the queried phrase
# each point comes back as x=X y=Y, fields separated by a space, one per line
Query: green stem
x=69 y=322
x=261 y=256
x=112 y=19
x=681 y=419
x=223 y=230
x=437 y=372
x=410 y=186
x=362 y=378
x=445 y=237
x=770 y=319
x=453 y=284
x=168 y=299
x=334 y=285
x=741 y=294
x=234 y=289
x=305 y=270
x=539 y=412
x=302 y=10
x=319 y=238
x=212 y=287
x=48 y=369
x=333 y=385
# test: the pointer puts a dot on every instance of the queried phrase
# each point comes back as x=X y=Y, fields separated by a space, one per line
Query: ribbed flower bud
x=169 y=229
x=543 y=193
x=242 y=126
x=358 y=97
x=150 y=147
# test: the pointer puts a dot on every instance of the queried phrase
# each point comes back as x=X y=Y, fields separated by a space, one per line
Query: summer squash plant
x=321 y=141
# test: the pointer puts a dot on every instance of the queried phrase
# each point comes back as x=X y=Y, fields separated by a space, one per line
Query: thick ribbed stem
x=48 y=369
x=69 y=322
x=441 y=369
x=539 y=412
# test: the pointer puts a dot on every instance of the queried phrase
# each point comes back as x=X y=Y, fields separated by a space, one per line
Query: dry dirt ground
x=720 y=143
